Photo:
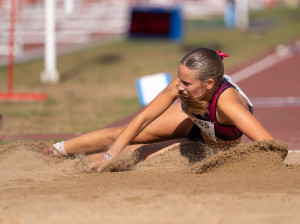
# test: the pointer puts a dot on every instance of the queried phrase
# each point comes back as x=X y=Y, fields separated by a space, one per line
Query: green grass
x=97 y=84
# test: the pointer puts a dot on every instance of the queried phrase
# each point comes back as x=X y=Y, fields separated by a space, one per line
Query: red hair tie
x=222 y=55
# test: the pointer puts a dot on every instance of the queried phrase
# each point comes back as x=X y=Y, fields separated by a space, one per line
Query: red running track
x=275 y=94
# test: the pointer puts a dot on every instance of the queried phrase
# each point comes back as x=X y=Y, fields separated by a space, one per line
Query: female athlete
x=200 y=104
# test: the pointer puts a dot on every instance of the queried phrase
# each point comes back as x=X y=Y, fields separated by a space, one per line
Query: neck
x=210 y=93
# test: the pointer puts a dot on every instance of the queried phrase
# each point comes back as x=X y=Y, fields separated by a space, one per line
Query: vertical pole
x=50 y=73
x=11 y=45
x=242 y=17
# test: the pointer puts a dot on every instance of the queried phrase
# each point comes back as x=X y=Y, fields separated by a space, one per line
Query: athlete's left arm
x=230 y=105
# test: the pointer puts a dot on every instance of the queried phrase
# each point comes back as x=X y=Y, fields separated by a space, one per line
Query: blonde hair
x=193 y=105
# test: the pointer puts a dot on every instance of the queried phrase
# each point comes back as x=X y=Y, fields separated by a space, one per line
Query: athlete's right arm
x=160 y=104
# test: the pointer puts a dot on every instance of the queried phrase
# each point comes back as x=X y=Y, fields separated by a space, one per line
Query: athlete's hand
x=99 y=165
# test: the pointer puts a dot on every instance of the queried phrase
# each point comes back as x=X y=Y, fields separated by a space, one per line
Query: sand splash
x=23 y=160
x=198 y=158
x=255 y=156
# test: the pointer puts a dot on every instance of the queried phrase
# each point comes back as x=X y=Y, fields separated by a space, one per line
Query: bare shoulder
x=229 y=106
x=231 y=96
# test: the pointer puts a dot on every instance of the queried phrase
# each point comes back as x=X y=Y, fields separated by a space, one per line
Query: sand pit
x=251 y=183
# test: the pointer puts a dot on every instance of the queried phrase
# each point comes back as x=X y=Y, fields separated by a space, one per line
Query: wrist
x=108 y=156
x=114 y=150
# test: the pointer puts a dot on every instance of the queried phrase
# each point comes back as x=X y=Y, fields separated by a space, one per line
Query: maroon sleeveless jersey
x=209 y=124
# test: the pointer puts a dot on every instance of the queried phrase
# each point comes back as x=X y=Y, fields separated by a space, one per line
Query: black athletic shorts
x=195 y=134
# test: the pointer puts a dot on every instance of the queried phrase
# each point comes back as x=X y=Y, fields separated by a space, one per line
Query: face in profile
x=189 y=84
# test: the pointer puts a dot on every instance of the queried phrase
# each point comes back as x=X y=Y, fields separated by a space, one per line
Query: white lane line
x=276 y=101
x=263 y=64
x=259 y=66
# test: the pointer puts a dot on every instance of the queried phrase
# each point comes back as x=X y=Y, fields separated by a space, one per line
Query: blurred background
x=101 y=47
x=81 y=22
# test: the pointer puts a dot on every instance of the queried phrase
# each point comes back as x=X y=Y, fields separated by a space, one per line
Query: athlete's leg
x=173 y=123
x=170 y=129
x=93 y=141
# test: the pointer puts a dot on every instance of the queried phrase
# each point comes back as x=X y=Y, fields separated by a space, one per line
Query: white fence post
x=50 y=74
